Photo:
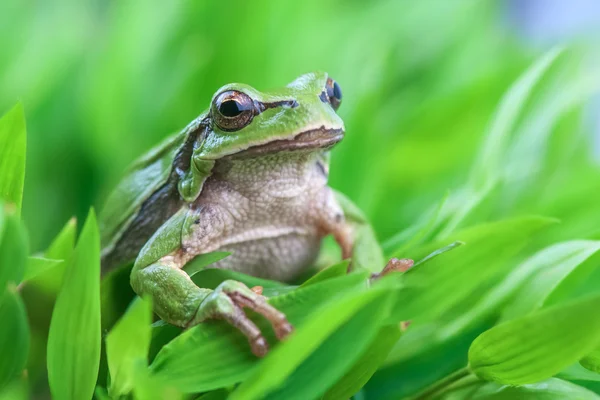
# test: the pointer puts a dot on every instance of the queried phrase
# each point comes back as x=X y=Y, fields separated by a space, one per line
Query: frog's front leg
x=158 y=273
x=350 y=228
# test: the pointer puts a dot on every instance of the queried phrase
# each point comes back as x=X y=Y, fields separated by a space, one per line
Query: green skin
x=253 y=186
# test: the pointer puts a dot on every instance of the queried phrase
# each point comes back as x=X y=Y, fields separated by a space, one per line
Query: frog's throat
x=313 y=139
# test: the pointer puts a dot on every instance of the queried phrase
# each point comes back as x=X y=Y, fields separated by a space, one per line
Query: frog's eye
x=232 y=110
x=332 y=94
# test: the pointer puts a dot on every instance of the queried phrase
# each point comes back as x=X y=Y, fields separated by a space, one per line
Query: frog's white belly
x=270 y=212
x=281 y=258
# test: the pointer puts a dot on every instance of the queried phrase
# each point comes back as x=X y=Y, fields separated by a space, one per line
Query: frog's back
x=144 y=199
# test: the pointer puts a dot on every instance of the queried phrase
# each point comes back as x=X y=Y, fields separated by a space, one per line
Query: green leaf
x=438 y=252
x=550 y=389
x=592 y=361
x=546 y=270
x=365 y=367
x=127 y=346
x=490 y=156
x=14 y=337
x=61 y=248
x=339 y=352
x=39 y=265
x=225 y=353
x=17 y=390
x=415 y=234
x=203 y=260
x=101 y=394
x=335 y=336
x=13 y=143
x=74 y=337
x=13 y=249
x=537 y=346
x=576 y=372
x=150 y=387
x=210 y=278
x=220 y=394
x=430 y=289
x=336 y=270
x=486 y=170
x=535 y=279
x=63 y=244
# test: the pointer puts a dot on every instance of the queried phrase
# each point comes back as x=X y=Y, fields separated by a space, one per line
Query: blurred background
x=103 y=81
x=424 y=82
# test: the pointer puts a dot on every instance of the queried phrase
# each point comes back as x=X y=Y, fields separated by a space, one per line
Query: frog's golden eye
x=232 y=110
x=332 y=94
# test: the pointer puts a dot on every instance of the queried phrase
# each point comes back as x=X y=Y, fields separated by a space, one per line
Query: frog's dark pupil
x=337 y=92
x=230 y=108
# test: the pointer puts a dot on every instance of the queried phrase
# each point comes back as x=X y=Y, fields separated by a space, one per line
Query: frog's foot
x=227 y=302
x=394 y=265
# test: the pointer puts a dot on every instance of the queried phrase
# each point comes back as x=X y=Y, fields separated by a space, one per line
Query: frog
x=248 y=176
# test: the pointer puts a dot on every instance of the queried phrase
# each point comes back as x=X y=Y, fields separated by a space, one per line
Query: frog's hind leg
x=158 y=274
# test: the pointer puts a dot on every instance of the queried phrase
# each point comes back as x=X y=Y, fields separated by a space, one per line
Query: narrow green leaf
x=204 y=260
x=336 y=270
x=17 y=390
x=365 y=367
x=297 y=361
x=486 y=170
x=149 y=387
x=74 y=337
x=220 y=394
x=127 y=346
x=415 y=234
x=63 y=244
x=2 y=217
x=210 y=278
x=576 y=372
x=101 y=394
x=489 y=160
x=14 y=336
x=431 y=289
x=38 y=265
x=13 y=249
x=550 y=389
x=225 y=352
x=549 y=267
x=61 y=248
x=537 y=346
x=13 y=143
x=438 y=252
x=535 y=279
x=339 y=352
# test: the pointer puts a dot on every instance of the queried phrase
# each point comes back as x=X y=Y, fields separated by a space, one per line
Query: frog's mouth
x=318 y=138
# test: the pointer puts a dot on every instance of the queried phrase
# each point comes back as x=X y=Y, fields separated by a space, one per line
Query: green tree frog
x=248 y=176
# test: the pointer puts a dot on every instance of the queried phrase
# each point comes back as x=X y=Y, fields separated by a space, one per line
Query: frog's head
x=301 y=116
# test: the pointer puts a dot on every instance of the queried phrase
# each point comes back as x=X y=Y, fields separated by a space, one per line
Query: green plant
x=496 y=309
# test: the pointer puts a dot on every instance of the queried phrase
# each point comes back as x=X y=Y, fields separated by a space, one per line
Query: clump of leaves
x=496 y=311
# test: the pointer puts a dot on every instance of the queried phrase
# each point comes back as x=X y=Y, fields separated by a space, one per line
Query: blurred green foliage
x=102 y=82
x=455 y=130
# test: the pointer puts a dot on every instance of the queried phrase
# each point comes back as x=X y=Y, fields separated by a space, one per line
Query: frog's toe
x=244 y=297
x=219 y=305
x=394 y=265
x=259 y=346
x=283 y=330
x=280 y=324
